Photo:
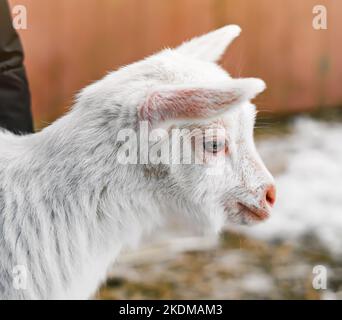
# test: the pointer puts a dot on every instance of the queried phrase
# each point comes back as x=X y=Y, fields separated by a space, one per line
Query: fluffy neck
x=76 y=208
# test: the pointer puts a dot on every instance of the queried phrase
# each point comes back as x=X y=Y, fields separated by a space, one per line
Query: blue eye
x=214 y=146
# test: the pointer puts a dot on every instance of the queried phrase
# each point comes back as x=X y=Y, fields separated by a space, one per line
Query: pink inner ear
x=185 y=104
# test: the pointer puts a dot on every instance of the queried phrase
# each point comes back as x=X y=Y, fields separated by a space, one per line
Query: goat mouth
x=253 y=213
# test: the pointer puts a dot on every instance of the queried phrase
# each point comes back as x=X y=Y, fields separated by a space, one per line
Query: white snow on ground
x=309 y=184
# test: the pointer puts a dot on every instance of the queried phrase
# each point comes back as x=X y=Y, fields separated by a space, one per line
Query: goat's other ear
x=210 y=46
x=196 y=102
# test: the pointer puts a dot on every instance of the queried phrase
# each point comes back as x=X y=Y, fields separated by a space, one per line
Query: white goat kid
x=68 y=206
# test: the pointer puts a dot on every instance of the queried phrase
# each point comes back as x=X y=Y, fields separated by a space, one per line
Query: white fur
x=67 y=207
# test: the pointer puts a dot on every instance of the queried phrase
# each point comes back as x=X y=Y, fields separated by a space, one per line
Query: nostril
x=270 y=195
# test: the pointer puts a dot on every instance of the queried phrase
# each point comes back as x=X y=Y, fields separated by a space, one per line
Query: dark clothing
x=15 y=100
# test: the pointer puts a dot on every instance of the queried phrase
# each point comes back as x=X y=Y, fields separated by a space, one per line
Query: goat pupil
x=211 y=146
x=214 y=146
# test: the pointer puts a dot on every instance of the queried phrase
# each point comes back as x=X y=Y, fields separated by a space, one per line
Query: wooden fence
x=70 y=43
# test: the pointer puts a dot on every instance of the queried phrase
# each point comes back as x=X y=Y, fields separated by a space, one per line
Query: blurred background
x=71 y=43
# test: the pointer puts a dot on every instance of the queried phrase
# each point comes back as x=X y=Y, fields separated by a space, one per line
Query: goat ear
x=195 y=102
x=211 y=46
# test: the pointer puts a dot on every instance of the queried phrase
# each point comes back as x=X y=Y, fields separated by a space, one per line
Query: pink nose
x=270 y=195
x=262 y=211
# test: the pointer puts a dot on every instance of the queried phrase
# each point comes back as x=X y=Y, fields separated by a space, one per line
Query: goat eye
x=214 y=146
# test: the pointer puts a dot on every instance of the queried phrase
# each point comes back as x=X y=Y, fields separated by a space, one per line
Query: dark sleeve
x=15 y=100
